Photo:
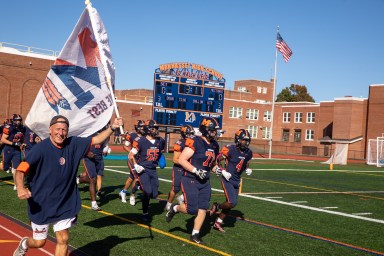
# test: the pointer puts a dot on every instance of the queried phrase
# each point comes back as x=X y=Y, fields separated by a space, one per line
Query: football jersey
x=97 y=149
x=148 y=153
x=29 y=138
x=179 y=147
x=204 y=156
x=236 y=160
x=15 y=133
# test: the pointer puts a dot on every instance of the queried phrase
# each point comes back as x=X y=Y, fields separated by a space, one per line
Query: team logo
x=74 y=77
x=190 y=117
x=42 y=231
x=62 y=161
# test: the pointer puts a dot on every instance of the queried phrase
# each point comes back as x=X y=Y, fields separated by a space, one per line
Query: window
x=258 y=89
x=297 y=135
x=286 y=117
x=309 y=134
x=235 y=112
x=310 y=117
x=252 y=114
x=264 y=90
x=266 y=132
x=285 y=135
x=252 y=131
x=298 y=117
x=267 y=116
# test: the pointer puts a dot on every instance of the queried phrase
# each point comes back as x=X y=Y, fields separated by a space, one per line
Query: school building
x=299 y=128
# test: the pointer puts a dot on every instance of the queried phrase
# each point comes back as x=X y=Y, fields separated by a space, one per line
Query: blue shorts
x=12 y=156
x=93 y=167
x=231 y=191
x=149 y=182
x=197 y=194
x=132 y=173
x=177 y=174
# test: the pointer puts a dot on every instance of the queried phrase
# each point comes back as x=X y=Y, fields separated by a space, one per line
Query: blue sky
x=337 y=44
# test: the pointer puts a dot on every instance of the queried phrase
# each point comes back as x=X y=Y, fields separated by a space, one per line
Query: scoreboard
x=185 y=97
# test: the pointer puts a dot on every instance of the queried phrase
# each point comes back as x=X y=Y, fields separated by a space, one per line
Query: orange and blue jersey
x=236 y=161
x=204 y=154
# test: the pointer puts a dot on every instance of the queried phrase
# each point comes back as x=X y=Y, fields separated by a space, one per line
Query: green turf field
x=287 y=208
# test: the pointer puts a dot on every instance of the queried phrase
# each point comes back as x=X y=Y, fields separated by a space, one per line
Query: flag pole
x=273 y=103
x=88 y=5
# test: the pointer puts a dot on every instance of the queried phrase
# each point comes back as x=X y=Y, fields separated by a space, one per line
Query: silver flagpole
x=273 y=103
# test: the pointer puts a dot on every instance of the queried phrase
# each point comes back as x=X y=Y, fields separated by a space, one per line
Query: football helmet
x=15 y=118
x=209 y=127
x=186 y=131
x=151 y=128
x=242 y=139
x=139 y=127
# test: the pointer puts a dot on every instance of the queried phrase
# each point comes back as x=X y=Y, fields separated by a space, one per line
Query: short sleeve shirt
x=52 y=177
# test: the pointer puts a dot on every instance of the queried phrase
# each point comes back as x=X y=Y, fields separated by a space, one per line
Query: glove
x=226 y=175
x=217 y=170
x=16 y=144
x=248 y=171
x=162 y=162
x=201 y=174
x=127 y=143
x=138 y=168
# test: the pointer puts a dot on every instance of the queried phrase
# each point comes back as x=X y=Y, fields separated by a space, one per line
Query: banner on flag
x=76 y=85
x=283 y=48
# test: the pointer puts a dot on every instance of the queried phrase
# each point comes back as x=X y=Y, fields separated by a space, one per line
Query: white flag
x=76 y=86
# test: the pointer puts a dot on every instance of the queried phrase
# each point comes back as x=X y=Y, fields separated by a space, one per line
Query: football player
x=178 y=171
x=144 y=155
x=236 y=158
x=30 y=139
x=13 y=137
x=94 y=167
x=133 y=177
x=197 y=159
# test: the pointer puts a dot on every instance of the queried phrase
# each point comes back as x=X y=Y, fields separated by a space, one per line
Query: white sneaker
x=96 y=208
x=20 y=251
x=14 y=188
x=132 y=200
x=123 y=196
x=180 y=199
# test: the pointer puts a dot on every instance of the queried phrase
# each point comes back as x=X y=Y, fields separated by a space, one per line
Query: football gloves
x=248 y=171
x=138 y=168
x=201 y=174
x=226 y=175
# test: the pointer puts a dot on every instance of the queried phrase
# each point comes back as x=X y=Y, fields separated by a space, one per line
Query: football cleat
x=123 y=196
x=20 y=251
x=218 y=227
x=96 y=208
x=132 y=200
x=170 y=214
x=214 y=208
x=196 y=238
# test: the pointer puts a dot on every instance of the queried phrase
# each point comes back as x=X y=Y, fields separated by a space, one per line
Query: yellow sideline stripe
x=160 y=232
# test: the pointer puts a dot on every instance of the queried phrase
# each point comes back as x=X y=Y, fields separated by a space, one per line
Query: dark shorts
x=93 y=167
x=231 y=191
x=12 y=156
x=149 y=182
x=197 y=194
x=177 y=174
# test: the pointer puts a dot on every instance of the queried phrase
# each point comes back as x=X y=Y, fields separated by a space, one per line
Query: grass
x=280 y=213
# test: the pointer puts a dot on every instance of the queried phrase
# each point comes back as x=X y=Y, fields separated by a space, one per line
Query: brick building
x=298 y=128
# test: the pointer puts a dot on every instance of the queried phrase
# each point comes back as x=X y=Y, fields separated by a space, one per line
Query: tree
x=294 y=93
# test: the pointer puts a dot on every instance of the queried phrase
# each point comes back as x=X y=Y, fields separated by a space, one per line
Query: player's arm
x=184 y=157
x=176 y=155
x=4 y=139
x=22 y=192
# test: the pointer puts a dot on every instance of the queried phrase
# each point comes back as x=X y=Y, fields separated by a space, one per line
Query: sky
x=337 y=44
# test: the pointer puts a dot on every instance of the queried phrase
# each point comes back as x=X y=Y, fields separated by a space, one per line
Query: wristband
x=112 y=129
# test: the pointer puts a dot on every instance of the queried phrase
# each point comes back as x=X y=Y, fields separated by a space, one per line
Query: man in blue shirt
x=53 y=197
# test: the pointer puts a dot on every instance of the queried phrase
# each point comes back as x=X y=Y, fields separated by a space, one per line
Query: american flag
x=283 y=48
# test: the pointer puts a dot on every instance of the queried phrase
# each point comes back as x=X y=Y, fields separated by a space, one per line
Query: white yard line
x=286 y=203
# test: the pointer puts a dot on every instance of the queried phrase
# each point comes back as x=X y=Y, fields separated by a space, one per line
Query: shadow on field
x=101 y=247
x=229 y=220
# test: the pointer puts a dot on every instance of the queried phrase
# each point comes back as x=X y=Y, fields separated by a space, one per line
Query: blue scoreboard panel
x=181 y=100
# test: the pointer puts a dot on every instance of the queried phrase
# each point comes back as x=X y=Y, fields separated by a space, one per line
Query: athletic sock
x=194 y=232
x=219 y=220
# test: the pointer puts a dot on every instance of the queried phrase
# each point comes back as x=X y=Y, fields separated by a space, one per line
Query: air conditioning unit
x=242 y=89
